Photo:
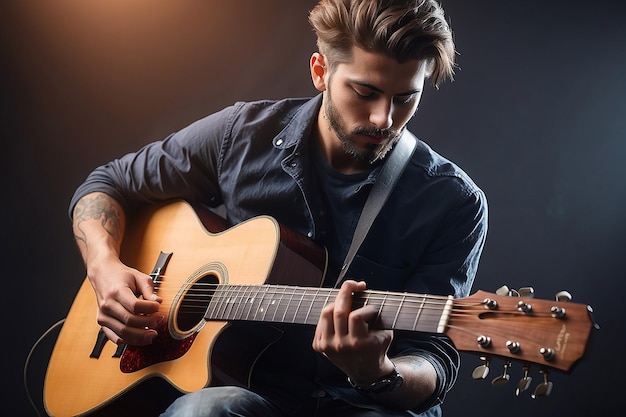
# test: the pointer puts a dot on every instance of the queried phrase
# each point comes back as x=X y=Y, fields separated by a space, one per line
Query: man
x=310 y=164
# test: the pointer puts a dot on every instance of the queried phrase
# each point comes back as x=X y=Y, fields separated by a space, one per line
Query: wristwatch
x=388 y=383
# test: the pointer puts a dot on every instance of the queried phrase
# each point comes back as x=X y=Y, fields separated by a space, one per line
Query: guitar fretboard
x=300 y=305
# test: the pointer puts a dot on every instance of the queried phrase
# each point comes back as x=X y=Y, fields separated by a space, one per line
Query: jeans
x=221 y=402
x=235 y=401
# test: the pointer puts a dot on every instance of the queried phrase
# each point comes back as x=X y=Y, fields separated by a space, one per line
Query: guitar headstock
x=512 y=325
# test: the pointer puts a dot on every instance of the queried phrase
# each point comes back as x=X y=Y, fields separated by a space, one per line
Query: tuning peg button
x=524 y=383
x=512 y=346
x=490 y=303
x=524 y=307
x=557 y=312
x=527 y=292
x=483 y=341
x=563 y=296
x=504 y=378
x=545 y=388
x=481 y=371
x=503 y=291
x=547 y=353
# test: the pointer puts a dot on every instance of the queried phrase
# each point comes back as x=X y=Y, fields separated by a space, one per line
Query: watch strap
x=387 y=383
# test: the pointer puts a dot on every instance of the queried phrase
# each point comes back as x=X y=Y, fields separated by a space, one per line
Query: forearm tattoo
x=99 y=207
x=417 y=362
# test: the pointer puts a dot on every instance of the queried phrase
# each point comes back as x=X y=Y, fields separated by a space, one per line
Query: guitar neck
x=300 y=305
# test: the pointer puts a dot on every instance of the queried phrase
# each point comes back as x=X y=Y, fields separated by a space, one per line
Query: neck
x=333 y=151
x=302 y=305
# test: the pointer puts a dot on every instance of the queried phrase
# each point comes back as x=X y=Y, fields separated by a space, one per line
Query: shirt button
x=310 y=234
x=279 y=142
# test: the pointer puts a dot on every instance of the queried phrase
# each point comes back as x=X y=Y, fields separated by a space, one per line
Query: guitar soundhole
x=195 y=302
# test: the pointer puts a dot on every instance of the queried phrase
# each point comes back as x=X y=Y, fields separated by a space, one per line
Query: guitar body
x=85 y=373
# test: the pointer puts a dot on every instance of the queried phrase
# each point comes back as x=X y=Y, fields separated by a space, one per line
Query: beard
x=372 y=152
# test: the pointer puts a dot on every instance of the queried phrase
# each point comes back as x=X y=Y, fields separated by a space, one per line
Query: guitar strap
x=387 y=179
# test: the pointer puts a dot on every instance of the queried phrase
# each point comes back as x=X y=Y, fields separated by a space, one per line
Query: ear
x=319 y=71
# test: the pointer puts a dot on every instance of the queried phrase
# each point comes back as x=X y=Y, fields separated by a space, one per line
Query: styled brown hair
x=400 y=29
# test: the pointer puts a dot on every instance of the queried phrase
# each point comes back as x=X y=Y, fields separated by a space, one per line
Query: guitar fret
x=243 y=302
x=282 y=294
x=252 y=301
x=328 y=294
x=210 y=311
x=252 y=291
x=286 y=307
x=271 y=303
x=308 y=313
x=244 y=296
x=234 y=302
x=261 y=300
x=395 y=319
x=380 y=309
x=419 y=313
x=228 y=306
x=295 y=313
x=219 y=302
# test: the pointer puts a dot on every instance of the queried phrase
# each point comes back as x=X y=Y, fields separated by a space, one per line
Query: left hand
x=345 y=337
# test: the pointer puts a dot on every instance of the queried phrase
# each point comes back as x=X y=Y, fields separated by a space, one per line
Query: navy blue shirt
x=258 y=159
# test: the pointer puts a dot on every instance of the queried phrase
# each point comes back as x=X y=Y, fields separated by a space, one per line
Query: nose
x=381 y=114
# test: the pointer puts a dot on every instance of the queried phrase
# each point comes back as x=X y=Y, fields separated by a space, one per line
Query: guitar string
x=229 y=295
x=200 y=290
x=202 y=300
x=209 y=288
x=248 y=311
x=200 y=296
x=222 y=298
x=179 y=286
x=228 y=291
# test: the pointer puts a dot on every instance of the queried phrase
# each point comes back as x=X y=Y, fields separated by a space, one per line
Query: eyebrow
x=378 y=90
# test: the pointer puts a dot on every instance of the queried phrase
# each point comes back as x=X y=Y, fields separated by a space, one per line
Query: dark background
x=535 y=116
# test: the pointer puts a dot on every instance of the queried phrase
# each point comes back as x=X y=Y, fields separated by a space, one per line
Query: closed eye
x=404 y=100
x=366 y=91
x=364 y=95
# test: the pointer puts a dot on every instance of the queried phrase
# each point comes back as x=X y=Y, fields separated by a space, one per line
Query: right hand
x=127 y=304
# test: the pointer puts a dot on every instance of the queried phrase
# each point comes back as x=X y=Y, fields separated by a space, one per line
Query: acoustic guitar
x=213 y=279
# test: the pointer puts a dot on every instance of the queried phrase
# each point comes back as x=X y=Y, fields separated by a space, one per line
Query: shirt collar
x=300 y=124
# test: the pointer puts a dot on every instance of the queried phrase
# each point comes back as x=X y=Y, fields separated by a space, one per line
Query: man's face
x=368 y=103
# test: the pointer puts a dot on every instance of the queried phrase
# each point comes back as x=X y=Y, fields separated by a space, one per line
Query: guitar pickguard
x=163 y=348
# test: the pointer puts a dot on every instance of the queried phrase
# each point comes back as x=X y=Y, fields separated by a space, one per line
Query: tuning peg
x=527 y=292
x=503 y=291
x=481 y=371
x=507 y=292
x=545 y=388
x=557 y=312
x=524 y=383
x=547 y=353
x=563 y=296
x=524 y=307
x=504 y=378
